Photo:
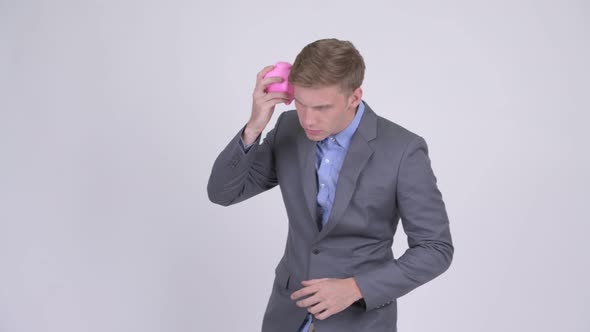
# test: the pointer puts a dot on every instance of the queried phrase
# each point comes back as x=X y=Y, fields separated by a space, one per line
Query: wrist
x=249 y=135
x=355 y=289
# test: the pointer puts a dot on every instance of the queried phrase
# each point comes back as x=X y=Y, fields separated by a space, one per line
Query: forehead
x=318 y=95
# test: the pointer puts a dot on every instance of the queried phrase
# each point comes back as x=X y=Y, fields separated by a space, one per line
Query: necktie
x=321 y=183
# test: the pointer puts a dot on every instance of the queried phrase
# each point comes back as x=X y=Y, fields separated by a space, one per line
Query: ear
x=356 y=97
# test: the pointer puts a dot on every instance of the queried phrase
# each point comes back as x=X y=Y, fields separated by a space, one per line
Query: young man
x=347 y=176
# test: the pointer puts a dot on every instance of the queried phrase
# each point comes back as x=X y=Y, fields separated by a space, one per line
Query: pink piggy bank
x=281 y=69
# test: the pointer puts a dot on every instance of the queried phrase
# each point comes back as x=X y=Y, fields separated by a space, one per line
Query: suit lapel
x=359 y=153
x=307 y=161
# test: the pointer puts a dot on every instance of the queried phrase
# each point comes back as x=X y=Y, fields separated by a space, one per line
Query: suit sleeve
x=239 y=173
x=426 y=224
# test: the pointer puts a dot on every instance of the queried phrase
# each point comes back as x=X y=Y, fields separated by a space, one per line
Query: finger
x=267 y=104
x=275 y=95
x=318 y=308
x=271 y=79
x=309 y=302
x=263 y=72
x=313 y=281
x=305 y=291
x=324 y=314
x=261 y=85
x=271 y=104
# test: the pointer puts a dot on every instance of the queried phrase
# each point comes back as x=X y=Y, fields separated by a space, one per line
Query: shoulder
x=288 y=123
x=289 y=117
x=390 y=133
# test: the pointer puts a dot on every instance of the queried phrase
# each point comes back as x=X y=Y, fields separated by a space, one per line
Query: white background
x=112 y=113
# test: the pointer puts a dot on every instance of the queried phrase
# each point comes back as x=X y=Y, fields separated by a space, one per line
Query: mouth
x=313 y=132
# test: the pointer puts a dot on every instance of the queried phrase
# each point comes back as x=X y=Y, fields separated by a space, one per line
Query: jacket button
x=316 y=251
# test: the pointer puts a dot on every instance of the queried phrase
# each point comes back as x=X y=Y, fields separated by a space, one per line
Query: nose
x=306 y=118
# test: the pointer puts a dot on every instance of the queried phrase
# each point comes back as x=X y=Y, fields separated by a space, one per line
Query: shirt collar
x=343 y=138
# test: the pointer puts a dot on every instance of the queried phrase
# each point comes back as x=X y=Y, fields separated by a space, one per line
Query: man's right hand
x=263 y=105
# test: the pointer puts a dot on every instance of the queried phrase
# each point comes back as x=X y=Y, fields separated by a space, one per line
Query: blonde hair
x=328 y=62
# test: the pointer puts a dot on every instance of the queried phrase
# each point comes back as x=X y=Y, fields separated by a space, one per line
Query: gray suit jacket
x=386 y=175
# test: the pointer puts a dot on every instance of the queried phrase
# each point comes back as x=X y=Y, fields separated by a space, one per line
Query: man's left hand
x=327 y=296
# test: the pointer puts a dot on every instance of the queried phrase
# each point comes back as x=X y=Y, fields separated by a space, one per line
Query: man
x=346 y=176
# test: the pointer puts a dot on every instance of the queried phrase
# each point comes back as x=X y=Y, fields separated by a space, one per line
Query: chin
x=316 y=138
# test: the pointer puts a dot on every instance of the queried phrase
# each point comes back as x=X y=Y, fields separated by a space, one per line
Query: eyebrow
x=318 y=106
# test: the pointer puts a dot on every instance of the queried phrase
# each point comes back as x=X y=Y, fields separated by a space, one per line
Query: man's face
x=324 y=111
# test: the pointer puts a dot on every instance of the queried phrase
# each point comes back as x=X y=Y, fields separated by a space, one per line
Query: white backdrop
x=112 y=113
